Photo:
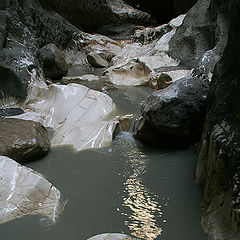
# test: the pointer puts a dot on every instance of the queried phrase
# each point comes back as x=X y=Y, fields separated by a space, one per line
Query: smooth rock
x=111 y=236
x=97 y=61
x=25 y=192
x=77 y=114
x=53 y=62
x=132 y=73
x=22 y=140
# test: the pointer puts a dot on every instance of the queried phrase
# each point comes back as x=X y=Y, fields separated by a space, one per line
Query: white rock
x=78 y=79
x=25 y=192
x=177 y=22
x=76 y=114
x=111 y=236
x=177 y=74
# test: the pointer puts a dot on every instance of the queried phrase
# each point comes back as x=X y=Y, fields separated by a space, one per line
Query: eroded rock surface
x=22 y=140
x=77 y=114
x=25 y=192
x=218 y=167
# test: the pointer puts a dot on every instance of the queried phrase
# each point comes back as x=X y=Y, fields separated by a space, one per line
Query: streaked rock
x=25 y=192
x=76 y=113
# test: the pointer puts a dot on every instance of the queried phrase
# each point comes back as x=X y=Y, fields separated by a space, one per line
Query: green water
x=130 y=188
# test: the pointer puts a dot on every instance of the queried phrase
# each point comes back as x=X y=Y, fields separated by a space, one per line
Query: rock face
x=25 y=28
x=177 y=110
x=163 y=10
x=218 y=168
x=25 y=192
x=200 y=41
x=53 y=62
x=23 y=140
x=92 y=13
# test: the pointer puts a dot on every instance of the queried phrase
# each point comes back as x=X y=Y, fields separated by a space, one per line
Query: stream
x=148 y=193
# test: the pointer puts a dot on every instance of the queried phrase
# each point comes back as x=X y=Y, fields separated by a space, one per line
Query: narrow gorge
x=119 y=119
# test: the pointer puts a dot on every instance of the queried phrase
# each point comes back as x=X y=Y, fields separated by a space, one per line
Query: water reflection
x=145 y=209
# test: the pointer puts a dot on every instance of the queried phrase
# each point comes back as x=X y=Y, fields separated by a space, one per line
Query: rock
x=53 y=62
x=111 y=236
x=204 y=29
x=125 y=122
x=22 y=140
x=92 y=13
x=7 y=112
x=160 y=81
x=25 y=192
x=76 y=114
x=79 y=79
x=218 y=167
x=97 y=61
x=177 y=110
x=163 y=10
x=132 y=73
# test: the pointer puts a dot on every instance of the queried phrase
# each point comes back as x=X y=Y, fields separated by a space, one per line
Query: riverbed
x=145 y=192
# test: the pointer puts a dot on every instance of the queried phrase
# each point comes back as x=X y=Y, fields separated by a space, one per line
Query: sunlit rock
x=25 y=192
x=76 y=113
x=111 y=236
x=132 y=73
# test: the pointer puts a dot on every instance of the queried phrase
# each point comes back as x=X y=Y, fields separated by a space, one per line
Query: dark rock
x=97 y=61
x=176 y=112
x=7 y=112
x=53 y=62
x=91 y=13
x=204 y=29
x=218 y=168
x=23 y=140
x=163 y=10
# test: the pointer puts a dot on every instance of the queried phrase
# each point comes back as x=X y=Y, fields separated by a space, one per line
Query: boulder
x=22 y=140
x=53 y=61
x=177 y=111
x=25 y=192
x=97 y=61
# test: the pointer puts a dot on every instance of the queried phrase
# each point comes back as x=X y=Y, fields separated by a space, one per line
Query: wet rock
x=76 y=114
x=53 y=62
x=177 y=110
x=218 y=168
x=79 y=79
x=111 y=236
x=25 y=192
x=125 y=122
x=22 y=140
x=97 y=61
x=7 y=112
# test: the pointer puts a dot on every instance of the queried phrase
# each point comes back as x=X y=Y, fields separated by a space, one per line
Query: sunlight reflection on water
x=145 y=209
